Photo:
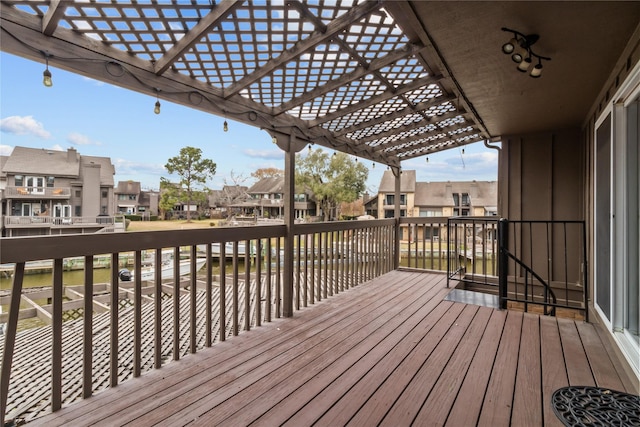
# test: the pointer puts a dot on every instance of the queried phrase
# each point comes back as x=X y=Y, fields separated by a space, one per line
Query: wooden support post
x=397 y=173
x=10 y=338
x=289 y=190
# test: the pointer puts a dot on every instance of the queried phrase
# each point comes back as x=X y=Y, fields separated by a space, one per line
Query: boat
x=148 y=273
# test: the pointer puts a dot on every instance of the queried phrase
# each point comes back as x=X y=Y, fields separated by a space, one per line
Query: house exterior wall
x=554 y=176
x=91 y=194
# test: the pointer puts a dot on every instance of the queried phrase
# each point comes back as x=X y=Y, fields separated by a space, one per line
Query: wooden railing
x=124 y=328
x=48 y=221
x=41 y=192
x=424 y=243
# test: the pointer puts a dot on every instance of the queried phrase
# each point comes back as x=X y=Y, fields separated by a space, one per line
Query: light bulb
x=524 y=65
x=157 y=108
x=536 y=71
x=225 y=126
x=46 y=79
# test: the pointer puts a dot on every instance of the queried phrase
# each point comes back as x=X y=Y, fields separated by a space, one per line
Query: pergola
x=385 y=81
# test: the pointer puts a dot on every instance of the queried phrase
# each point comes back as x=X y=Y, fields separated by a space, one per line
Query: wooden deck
x=389 y=352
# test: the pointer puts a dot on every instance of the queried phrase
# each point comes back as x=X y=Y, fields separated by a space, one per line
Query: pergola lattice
x=341 y=74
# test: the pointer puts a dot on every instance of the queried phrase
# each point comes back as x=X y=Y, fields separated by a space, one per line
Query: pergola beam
x=303 y=46
x=332 y=85
x=384 y=96
x=53 y=16
x=430 y=120
x=412 y=140
x=199 y=31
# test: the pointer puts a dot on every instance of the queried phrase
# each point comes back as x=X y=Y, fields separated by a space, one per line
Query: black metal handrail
x=558 y=246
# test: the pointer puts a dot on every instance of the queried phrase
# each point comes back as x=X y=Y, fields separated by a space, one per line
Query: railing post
x=503 y=266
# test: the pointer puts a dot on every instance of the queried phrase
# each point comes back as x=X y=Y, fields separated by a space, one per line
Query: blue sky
x=99 y=119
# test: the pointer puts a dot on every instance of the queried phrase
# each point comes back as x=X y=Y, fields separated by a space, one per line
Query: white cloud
x=24 y=125
x=264 y=154
x=58 y=147
x=126 y=167
x=5 y=150
x=79 y=139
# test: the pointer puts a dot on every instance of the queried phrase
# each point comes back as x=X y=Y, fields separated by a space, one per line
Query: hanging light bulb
x=46 y=75
x=309 y=148
x=225 y=126
x=373 y=165
x=463 y=151
x=427 y=159
x=157 y=106
x=274 y=139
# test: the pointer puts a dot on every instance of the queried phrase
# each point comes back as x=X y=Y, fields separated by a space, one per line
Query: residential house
x=267 y=200
x=132 y=200
x=55 y=192
x=220 y=201
x=434 y=199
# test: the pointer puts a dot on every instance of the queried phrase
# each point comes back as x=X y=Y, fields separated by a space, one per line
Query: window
x=132 y=196
x=456 y=199
x=19 y=180
x=430 y=212
x=300 y=197
x=78 y=210
x=105 y=194
x=466 y=200
x=390 y=199
x=50 y=181
x=431 y=232
x=78 y=193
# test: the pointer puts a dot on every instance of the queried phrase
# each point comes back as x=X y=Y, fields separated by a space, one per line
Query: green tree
x=333 y=179
x=193 y=171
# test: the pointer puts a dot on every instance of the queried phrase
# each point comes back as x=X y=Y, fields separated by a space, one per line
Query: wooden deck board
x=388 y=352
x=527 y=409
x=554 y=374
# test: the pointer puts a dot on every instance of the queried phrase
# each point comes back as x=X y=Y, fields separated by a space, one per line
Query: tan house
x=132 y=200
x=434 y=199
x=55 y=192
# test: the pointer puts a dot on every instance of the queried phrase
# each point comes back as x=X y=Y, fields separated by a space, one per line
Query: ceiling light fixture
x=46 y=75
x=519 y=47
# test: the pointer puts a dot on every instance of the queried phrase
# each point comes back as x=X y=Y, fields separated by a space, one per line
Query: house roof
x=228 y=194
x=269 y=185
x=383 y=80
x=127 y=187
x=407 y=182
x=107 y=170
x=40 y=161
x=481 y=193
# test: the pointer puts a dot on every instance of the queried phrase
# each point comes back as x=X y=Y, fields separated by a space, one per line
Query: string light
x=225 y=126
x=46 y=75
x=157 y=107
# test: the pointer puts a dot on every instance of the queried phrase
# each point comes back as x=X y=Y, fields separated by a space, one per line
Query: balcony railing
x=50 y=221
x=37 y=192
x=143 y=324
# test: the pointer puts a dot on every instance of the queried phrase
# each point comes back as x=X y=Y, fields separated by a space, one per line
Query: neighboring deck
x=389 y=352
